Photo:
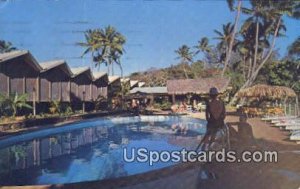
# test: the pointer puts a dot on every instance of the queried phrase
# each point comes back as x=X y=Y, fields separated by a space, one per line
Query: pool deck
x=256 y=135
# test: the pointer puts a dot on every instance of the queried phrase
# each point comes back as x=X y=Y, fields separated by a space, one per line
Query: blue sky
x=153 y=29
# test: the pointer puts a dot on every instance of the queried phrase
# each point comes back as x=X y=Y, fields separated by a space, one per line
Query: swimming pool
x=92 y=149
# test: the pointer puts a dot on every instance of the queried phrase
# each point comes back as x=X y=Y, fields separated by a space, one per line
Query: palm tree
x=267 y=18
x=105 y=45
x=13 y=102
x=263 y=27
x=294 y=48
x=203 y=46
x=6 y=47
x=185 y=56
x=232 y=33
x=224 y=38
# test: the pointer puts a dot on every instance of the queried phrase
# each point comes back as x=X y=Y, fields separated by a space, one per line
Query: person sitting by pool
x=215 y=116
x=182 y=107
x=174 y=108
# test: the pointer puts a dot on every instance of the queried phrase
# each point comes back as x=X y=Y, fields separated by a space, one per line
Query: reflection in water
x=92 y=153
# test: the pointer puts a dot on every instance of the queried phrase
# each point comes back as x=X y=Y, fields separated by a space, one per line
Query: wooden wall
x=55 y=85
x=100 y=88
x=17 y=76
x=81 y=83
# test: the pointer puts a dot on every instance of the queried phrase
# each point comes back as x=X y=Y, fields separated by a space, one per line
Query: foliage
x=99 y=102
x=57 y=107
x=105 y=46
x=294 y=49
x=9 y=105
x=285 y=73
x=159 y=77
x=185 y=56
x=6 y=47
x=165 y=105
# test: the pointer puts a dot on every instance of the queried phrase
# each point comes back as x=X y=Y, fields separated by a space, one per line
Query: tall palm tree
x=266 y=15
x=105 y=45
x=203 y=46
x=186 y=56
x=6 y=46
x=233 y=32
x=263 y=26
x=224 y=36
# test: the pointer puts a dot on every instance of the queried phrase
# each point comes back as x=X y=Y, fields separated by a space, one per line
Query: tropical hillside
x=245 y=50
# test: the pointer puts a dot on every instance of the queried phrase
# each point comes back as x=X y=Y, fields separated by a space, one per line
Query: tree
x=267 y=18
x=106 y=46
x=232 y=33
x=6 y=46
x=185 y=56
x=294 y=48
x=285 y=73
x=224 y=38
x=263 y=26
x=203 y=46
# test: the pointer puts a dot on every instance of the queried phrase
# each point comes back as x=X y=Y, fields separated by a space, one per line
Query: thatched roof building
x=196 y=86
x=267 y=91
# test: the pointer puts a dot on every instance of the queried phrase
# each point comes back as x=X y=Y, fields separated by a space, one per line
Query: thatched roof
x=267 y=91
x=197 y=86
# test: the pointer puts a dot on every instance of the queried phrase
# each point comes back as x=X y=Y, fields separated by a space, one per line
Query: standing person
x=215 y=116
x=135 y=107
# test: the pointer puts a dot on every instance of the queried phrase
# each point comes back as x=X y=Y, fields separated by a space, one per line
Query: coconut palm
x=224 y=38
x=185 y=56
x=294 y=48
x=105 y=45
x=233 y=32
x=203 y=46
x=6 y=47
x=267 y=18
x=263 y=27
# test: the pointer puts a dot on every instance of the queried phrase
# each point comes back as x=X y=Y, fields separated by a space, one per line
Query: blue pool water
x=92 y=150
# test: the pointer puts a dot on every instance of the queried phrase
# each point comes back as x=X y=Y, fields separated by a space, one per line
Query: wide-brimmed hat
x=213 y=91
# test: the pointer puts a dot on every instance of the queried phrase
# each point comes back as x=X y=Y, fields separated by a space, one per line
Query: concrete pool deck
x=257 y=135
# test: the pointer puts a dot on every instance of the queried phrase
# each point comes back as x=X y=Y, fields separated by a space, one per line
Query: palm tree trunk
x=253 y=76
x=228 y=53
x=250 y=67
x=108 y=70
x=112 y=69
x=256 y=47
x=185 y=73
x=184 y=70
